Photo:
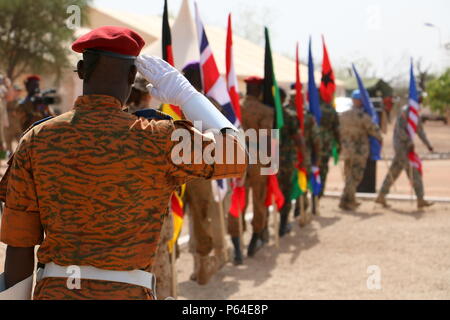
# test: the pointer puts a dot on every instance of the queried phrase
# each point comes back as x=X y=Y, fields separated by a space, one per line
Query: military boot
x=381 y=199
x=238 y=259
x=207 y=267
x=255 y=244
x=285 y=226
x=422 y=203
x=194 y=274
x=264 y=236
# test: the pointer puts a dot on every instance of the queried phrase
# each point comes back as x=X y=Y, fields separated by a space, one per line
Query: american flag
x=413 y=119
x=214 y=87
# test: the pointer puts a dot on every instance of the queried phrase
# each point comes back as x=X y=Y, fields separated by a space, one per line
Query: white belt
x=135 y=277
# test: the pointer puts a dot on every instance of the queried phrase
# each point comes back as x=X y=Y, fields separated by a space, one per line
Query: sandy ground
x=329 y=259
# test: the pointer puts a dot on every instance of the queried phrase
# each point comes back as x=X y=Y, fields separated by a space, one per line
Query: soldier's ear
x=132 y=74
x=80 y=69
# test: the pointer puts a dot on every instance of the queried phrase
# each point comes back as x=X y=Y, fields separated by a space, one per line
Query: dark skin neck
x=111 y=76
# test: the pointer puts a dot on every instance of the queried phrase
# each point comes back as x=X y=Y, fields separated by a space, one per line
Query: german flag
x=167 y=53
x=176 y=203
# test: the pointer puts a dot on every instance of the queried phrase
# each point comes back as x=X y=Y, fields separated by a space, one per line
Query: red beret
x=121 y=42
x=254 y=80
x=33 y=77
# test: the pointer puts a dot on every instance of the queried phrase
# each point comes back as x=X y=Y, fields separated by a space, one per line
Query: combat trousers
x=199 y=199
x=354 y=172
x=285 y=180
x=258 y=184
x=399 y=163
x=324 y=161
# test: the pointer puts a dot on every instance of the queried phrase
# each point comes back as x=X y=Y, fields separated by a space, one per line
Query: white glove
x=170 y=86
x=166 y=83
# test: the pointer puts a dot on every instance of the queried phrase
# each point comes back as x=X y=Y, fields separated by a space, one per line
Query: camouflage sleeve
x=401 y=135
x=192 y=155
x=422 y=135
x=371 y=128
x=21 y=225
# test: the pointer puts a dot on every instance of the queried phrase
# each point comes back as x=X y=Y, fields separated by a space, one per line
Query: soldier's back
x=255 y=114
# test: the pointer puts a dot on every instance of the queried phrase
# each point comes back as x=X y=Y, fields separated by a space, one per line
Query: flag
x=272 y=98
x=413 y=119
x=167 y=53
x=274 y=192
x=299 y=180
x=271 y=91
x=299 y=103
x=232 y=83
x=327 y=84
x=299 y=183
x=335 y=153
x=375 y=145
x=237 y=201
x=176 y=205
x=316 y=184
x=327 y=90
x=214 y=87
x=313 y=93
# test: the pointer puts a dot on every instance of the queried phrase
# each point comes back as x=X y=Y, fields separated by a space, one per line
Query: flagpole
x=302 y=218
x=276 y=222
x=173 y=260
x=222 y=228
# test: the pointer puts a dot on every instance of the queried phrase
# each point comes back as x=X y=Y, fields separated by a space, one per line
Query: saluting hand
x=167 y=84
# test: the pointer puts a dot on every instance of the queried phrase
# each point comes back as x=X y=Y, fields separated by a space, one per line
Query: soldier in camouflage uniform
x=204 y=211
x=291 y=142
x=329 y=132
x=257 y=116
x=312 y=146
x=403 y=144
x=355 y=128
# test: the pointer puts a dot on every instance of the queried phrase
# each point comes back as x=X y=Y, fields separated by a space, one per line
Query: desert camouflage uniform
x=355 y=128
x=402 y=144
x=329 y=132
x=255 y=115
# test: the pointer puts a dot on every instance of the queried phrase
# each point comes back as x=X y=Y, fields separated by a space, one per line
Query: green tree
x=34 y=35
x=439 y=93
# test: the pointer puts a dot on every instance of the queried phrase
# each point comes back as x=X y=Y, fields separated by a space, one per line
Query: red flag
x=232 y=83
x=274 y=192
x=327 y=85
x=237 y=201
x=167 y=54
x=298 y=93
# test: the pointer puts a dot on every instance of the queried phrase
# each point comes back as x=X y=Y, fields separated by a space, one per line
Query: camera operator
x=36 y=105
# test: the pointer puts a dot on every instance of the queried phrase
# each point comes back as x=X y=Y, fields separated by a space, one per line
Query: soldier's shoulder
x=152 y=114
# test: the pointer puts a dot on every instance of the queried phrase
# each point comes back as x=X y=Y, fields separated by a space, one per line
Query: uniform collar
x=97 y=102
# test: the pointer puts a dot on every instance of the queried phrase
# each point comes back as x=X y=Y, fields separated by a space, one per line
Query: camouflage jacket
x=289 y=138
x=329 y=128
x=355 y=128
x=312 y=139
x=402 y=139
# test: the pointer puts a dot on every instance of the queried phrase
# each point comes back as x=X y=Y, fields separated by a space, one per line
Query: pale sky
x=385 y=32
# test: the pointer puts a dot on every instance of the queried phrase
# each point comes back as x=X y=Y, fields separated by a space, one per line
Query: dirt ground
x=329 y=259
x=332 y=258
